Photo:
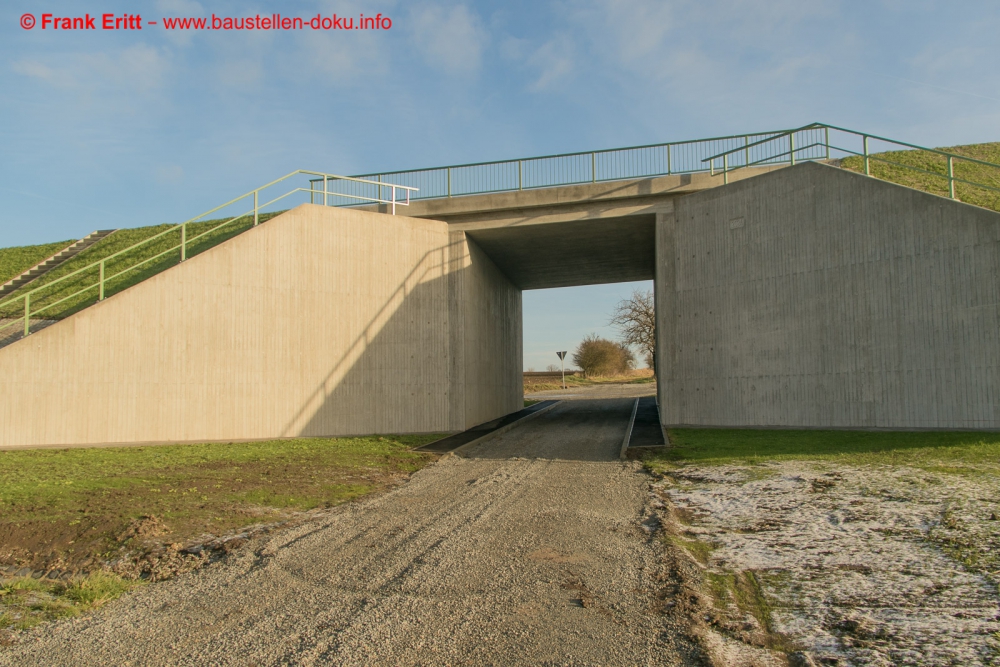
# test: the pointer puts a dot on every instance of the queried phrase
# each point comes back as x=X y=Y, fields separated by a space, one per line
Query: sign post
x=562 y=356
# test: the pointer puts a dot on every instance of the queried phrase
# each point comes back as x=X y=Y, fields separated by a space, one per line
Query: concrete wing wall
x=817 y=297
x=319 y=322
x=490 y=338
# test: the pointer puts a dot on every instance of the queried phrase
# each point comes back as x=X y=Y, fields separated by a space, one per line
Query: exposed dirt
x=843 y=565
x=100 y=531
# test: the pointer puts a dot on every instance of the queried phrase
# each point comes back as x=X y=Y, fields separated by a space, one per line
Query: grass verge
x=941 y=451
x=72 y=509
x=26 y=602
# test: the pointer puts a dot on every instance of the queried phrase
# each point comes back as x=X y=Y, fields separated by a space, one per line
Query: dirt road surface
x=532 y=550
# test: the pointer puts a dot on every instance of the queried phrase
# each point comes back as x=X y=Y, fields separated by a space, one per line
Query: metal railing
x=102 y=277
x=677 y=157
x=818 y=141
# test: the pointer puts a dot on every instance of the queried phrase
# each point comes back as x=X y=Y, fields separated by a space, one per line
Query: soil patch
x=81 y=510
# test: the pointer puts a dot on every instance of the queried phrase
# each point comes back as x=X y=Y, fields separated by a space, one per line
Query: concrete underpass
x=804 y=296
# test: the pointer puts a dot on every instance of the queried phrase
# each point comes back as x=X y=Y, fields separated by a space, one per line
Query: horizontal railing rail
x=816 y=141
x=787 y=147
x=23 y=299
x=676 y=157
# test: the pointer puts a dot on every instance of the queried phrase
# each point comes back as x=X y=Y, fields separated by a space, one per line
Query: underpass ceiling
x=566 y=254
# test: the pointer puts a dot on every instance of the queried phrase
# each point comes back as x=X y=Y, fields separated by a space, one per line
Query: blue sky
x=115 y=129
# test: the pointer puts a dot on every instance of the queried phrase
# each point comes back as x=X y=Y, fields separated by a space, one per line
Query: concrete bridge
x=803 y=296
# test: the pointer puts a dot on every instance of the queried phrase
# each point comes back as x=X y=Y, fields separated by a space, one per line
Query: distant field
x=937 y=164
x=117 y=242
x=15 y=261
x=640 y=376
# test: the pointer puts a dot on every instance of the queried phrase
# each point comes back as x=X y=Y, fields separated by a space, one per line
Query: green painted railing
x=870 y=154
x=888 y=159
x=42 y=300
x=677 y=157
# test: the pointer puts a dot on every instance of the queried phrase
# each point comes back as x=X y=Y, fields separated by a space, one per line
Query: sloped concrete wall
x=816 y=297
x=319 y=322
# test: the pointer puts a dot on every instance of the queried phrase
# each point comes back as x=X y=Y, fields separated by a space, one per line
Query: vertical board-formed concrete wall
x=488 y=343
x=817 y=297
x=321 y=321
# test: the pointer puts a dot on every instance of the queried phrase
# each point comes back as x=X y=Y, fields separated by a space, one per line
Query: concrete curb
x=628 y=431
x=503 y=429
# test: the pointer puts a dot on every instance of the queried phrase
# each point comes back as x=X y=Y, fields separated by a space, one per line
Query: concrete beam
x=568 y=202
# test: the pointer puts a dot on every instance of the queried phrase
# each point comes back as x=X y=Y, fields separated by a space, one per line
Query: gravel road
x=529 y=549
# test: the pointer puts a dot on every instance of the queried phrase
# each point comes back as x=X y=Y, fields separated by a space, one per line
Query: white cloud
x=139 y=67
x=450 y=38
x=554 y=60
x=35 y=69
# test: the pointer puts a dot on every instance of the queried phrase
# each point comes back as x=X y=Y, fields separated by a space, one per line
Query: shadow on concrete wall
x=397 y=355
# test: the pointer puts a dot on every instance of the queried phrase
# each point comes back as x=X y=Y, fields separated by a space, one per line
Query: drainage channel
x=645 y=429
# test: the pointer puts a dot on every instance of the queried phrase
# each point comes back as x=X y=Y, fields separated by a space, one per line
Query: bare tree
x=635 y=317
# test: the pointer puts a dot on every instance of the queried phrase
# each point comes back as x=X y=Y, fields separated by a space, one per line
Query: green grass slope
x=61 y=300
x=936 y=182
x=15 y=261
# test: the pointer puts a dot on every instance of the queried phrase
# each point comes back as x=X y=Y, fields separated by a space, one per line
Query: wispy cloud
x=450 y=38
x=554 y=63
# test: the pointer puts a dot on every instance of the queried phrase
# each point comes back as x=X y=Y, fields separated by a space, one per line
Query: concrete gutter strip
x=486 y=430
x=628 y=431
x=503 y=429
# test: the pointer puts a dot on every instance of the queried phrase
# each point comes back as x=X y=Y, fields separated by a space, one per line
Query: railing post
x=951 y=177
x=449 y=181
x=725 y=169
x=791 y=147
x=393 y=199
x=867 y=169
x=326 y=198
x=183 y=252
x=746 y=151
x=255 y=218
x=668 y=158
x=593 y=167
x=312 y=192
x=520 y=175
x=827 y=143
x=100 y=295
x=27 y=314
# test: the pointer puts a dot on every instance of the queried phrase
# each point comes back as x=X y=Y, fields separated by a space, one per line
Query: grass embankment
x=940 y=451
x=937 y=181
x=115 y=243
x=642 y=376
x=15 y=261
x=71 y=508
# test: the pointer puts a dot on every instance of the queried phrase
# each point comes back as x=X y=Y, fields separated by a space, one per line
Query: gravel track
x=497 y=557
